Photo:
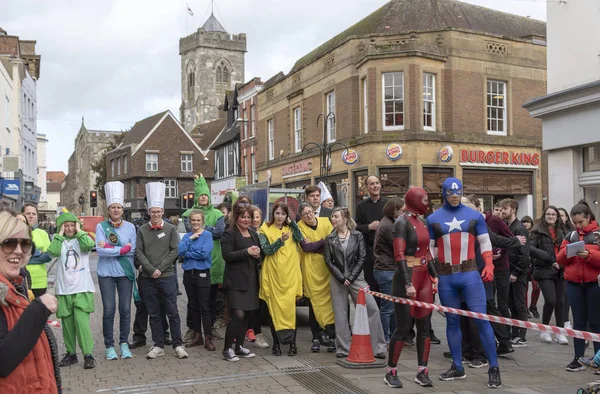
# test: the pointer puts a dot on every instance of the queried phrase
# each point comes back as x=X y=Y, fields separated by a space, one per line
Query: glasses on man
x=10 y=244
x=156 y=213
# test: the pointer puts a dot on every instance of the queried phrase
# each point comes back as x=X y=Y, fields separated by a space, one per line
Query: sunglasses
x=10 y=244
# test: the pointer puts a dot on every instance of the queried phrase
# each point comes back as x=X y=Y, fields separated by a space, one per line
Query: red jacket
x=577 y=269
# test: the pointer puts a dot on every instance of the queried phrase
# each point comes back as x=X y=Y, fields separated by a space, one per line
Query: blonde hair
x=197 y=212
x=9 y=226
x=345 y=212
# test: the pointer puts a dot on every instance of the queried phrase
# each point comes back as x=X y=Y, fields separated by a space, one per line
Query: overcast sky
x=117 y=61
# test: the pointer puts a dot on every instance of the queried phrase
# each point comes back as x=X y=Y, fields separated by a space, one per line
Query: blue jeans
x=157 y=291
x=109 y=287
x=584 y=299
x=386 y=309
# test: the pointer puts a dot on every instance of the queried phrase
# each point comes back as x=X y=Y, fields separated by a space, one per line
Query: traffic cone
x=360 y=348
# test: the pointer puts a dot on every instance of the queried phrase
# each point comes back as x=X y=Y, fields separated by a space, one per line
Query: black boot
x=276 y=350
x=293 y=350
x=68 y=359
x=89 y=362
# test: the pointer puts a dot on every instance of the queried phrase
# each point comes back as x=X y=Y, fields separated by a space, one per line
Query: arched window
x=191 y=79
x=222 y=78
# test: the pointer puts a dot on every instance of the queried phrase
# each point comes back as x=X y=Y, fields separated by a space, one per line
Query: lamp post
x=325 y=147
x=81 y=201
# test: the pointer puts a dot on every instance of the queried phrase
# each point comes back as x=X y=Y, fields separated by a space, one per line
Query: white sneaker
x=561 y=339
x=260 y=341
x=546 y=337
x=568 y=325
x=155 y=352
x=180 y=352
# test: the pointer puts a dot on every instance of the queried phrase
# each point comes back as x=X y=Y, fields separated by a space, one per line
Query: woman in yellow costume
x=281 y=278
x=315 y=275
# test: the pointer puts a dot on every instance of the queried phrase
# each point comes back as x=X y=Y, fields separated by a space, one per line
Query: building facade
x=42 y=143
x=54 y=182
x=570 y=110
x=81 y=178
x=156 y=149
x=212 y=62
x=248 y=112
x=412 y=94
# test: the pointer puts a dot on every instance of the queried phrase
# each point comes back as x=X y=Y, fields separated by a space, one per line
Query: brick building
x=418 y=91
x=248 y=110
x=156 y=149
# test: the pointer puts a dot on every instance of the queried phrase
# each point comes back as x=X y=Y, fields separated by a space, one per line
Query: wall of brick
x=347 y=108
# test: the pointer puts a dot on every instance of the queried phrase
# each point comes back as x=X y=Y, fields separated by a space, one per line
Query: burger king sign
x=349 y=156
x=393 y=151
x=446 y=154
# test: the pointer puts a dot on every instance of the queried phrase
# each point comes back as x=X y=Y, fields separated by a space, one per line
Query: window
x=246 y=166
x=297 y=129
x=253 y=168
x=7 y=112
x=125 y=164
x=365 y=107
x=393 y=101
x=191 y=80
x=132 y=189
x=496 y=107
x=429 y=101
x=112 y=167
x=330 y=119
x=220 y=163
x=151 y=161
x=271 y=138
x=118 y=166
x=170 y=188
x=231 y=160
x=187 y=163
x=222 y=78
x=252 y=120
x=245 y=124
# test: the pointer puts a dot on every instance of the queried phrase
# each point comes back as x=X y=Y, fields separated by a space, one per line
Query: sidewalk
x=537 y=368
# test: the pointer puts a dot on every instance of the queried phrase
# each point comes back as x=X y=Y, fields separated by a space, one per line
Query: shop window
x=480 y=182
x=394 y=181
x=432 y=182
x=591 y=158
x=339 y=187
x=360 y=186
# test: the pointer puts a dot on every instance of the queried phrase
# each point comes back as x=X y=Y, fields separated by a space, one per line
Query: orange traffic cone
x=360 y=348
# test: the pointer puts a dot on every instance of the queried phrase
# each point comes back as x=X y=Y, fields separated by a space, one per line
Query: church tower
x=212 y=62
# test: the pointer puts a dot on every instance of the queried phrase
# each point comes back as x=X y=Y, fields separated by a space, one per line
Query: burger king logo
x=394 y=152
x=446 y=154
x=349 y=156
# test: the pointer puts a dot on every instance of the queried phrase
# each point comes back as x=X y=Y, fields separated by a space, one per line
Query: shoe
x=243 y=352
x=137 y=343
x=180 y=352
x=596 y=372
x=89 y=362
x=435 y=340
x=125 y=353
x=110 y=353
x=229 y=355
x=453 y=373
x=519 y=342
x=261 y=342
x=293 y=350
x=562 y=340
x=589 y=362
x=209 y=344
x=168 y=341
x=409 y=342
x=341 y=355
x=155 y=352
x=423 y=379
x=323 y=338
x=380 y=356
x=546 y=337
x=534 y=312
x=392 y=379
x=215 y=334
x=197 y=341
x=504 y=349
x=448 y=354
x=331 y=348
x=276 y=350
x=316 y=346
x=568 y=325
x=494 y=381
x=478 y=363
x=179 y=293
x=250 y=337
x=68 y=359
x=189 y=335
x=575 y=366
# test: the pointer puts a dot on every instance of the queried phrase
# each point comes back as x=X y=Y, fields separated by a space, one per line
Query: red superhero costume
x=415 y=272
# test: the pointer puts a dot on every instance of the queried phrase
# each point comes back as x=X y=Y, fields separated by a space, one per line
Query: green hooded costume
x=211 y=216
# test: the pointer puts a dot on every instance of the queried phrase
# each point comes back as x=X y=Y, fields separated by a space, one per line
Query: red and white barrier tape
x=494 y=319
x=53 y=323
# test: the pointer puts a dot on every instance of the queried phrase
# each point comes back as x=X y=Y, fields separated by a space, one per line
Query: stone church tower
x=212 y=62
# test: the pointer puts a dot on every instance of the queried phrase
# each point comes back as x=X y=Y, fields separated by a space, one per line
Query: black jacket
x=518 y=257
x=239 y=264
x=354 y=256
x=542 y=254
x=383 y=249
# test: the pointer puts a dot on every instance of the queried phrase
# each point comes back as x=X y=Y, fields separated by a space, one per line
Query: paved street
x=538 y=368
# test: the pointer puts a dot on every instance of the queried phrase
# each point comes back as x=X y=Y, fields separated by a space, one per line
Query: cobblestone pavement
x=537 y=368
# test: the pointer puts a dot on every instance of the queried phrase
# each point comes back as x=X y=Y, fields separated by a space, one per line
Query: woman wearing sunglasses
x=28 y=358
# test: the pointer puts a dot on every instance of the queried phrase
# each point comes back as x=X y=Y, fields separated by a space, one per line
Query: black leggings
x=236 y=329
x=554 y=300
x=276 y=340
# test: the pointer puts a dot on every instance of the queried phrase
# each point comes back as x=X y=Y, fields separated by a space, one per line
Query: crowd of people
x=244 y=273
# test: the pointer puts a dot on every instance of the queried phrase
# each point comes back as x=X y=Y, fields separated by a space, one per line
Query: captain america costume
x=454 y=229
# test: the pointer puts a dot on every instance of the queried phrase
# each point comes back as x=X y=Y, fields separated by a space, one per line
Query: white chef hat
x=324 y=192
x=155 y=194
x=115 y=193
